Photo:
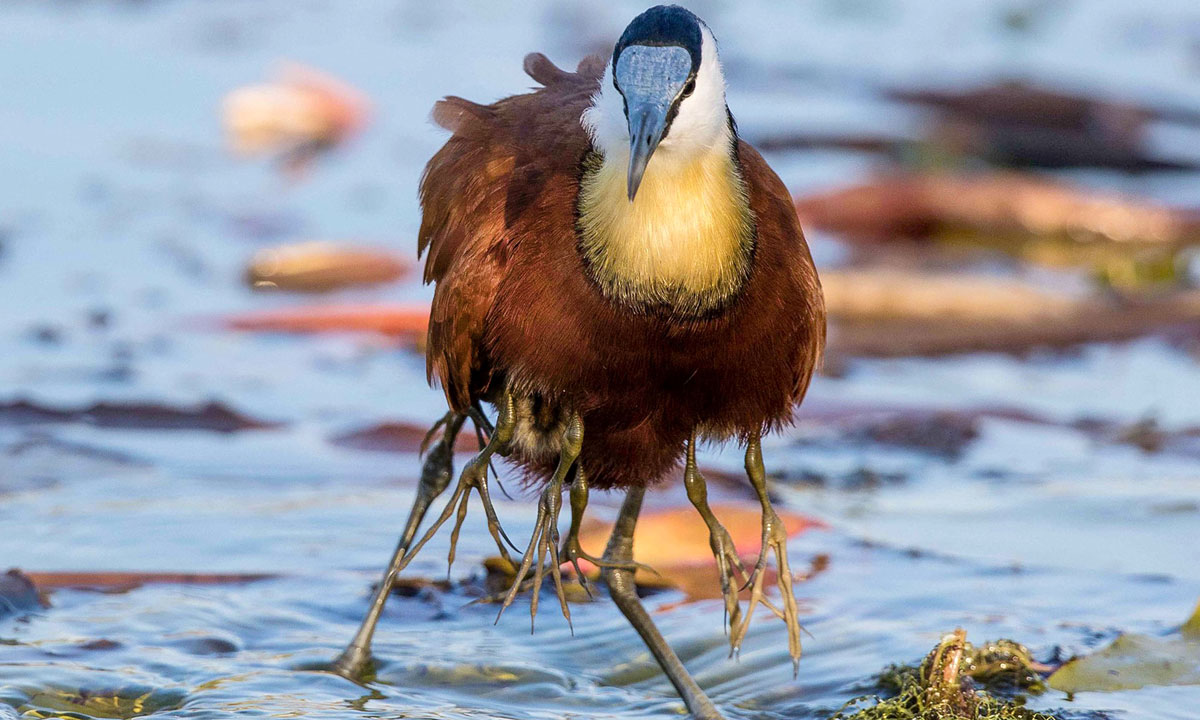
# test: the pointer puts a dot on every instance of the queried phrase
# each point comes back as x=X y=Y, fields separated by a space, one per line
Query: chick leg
x=572 y=551
x=774 y=538
x=545 y=537
x=355 y=660
x=624 y=593
x=718 y=537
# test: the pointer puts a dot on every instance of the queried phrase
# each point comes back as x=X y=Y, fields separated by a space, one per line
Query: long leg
x=624 y=593
x=355 y=660
x=571 y=549
x=774 y=537
x=435 y=477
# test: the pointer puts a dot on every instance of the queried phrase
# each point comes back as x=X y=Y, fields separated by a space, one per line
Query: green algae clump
x=955 y=682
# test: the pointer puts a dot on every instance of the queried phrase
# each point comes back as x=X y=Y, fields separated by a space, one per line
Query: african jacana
x=609 y=255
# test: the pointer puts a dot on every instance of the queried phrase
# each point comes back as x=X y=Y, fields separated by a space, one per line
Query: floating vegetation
x=120 y=703
x=1136 y=661
x=956 y=681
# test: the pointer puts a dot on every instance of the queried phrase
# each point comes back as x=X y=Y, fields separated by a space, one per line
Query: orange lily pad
x=674 y=542
x=302 y=107
x=320 y=267
x=406 y=322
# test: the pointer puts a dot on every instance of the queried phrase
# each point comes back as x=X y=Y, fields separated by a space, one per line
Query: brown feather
x=450 y=112
x=539 y=67
x=515 y=306
x=470 y=191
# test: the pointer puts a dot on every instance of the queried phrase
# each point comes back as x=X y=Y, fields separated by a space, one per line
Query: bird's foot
x=774 y=539
x=573 y=552
x=474 y=476
x=728 y=563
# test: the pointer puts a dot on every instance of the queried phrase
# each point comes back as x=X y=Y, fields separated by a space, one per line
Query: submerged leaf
x=1135 y=661
x=399 y=437
x=212 y=416
x=1132 y=662
x=674 y=542
x=121 y=581
x=117 y=703
x=996 y=203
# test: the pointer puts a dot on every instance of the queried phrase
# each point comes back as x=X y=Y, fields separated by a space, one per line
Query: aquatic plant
x=956 y=681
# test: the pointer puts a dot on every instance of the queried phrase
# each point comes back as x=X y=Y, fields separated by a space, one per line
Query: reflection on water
x=120 y=203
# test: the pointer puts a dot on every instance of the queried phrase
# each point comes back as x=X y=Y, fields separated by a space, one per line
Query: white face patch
x=700 y=125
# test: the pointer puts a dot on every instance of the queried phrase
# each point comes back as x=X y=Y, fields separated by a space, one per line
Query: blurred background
x=212 y=387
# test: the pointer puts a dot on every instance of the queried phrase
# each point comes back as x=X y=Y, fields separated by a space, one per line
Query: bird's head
x=662 y=96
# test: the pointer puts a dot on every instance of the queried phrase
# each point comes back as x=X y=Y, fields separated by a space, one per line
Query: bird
x=620 y=277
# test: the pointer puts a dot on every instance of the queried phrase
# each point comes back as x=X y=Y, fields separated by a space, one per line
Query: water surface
x=123 y=219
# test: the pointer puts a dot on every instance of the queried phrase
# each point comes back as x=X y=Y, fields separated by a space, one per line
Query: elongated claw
x=775 y=539
x=543 y=541
x=475 y=477
x=760 y=564
x=573 y=552
x=478 y=482
x=458 y=522
x=728 y=563
x=545 y=538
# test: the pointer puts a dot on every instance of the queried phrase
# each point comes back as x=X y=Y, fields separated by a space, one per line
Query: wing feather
x=473 y=192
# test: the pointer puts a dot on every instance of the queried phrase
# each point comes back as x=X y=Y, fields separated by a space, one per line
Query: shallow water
x=118 y=201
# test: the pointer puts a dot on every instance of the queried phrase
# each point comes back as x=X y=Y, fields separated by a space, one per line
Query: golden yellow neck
x=685 y=242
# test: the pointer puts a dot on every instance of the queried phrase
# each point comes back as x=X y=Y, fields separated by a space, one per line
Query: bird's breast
x=685 y=242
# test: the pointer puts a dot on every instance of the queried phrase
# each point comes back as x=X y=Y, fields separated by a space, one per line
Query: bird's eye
x=687 y=89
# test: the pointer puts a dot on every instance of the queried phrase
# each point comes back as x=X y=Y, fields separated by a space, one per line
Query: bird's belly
x=637 y=416
x=706 y=383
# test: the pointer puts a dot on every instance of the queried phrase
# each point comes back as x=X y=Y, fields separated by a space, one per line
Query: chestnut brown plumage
x=582 y=287
x=514 y=304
